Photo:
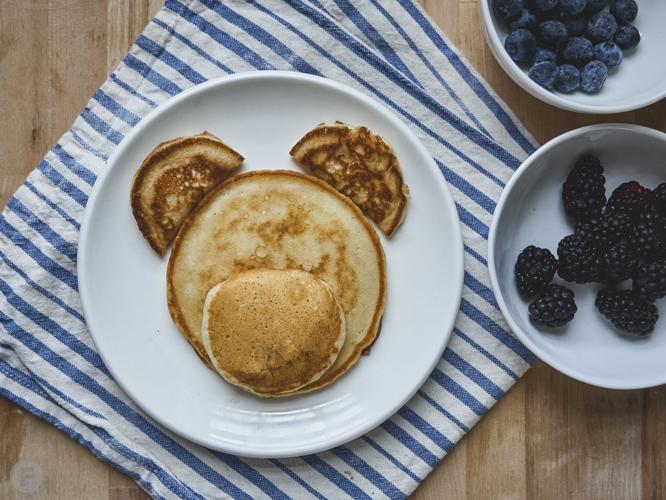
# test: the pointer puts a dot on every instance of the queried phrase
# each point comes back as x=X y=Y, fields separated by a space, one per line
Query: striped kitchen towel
x=388 y=49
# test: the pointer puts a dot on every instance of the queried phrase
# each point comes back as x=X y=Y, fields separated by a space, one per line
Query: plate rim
x=83 y=255
x=534 y=347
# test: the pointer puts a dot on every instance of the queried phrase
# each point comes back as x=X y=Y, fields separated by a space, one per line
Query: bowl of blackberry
x=589 y=56
x=577 y=255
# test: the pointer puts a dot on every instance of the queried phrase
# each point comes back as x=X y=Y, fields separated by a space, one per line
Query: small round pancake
x=271 y=332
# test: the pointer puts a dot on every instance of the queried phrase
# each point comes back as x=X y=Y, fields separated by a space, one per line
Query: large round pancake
x=280 y=219
x=271 y=332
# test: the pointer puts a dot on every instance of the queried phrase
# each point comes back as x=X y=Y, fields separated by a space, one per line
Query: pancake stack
x=280 y=220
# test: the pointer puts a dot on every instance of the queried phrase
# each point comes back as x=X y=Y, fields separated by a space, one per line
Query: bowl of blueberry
x=577 y=255
x=589 y=56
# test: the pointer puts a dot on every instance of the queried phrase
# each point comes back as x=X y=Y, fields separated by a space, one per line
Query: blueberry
x=568 y=78
x=578 y=51
x=549 y=15
x=625 y=11
x=601 y=27
x=595 y=6
x=507 y=9
x=544 y=55
x=627 y=37
x=521 y=46
x=608 y=53
x=593 y=76
x=572 y=7
x=544 y=73
x=551 y=34
x=525 y=20
x=539 y=6
x=576 y=26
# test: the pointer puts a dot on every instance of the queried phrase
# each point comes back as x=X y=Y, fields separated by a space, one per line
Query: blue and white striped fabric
x=386 y=48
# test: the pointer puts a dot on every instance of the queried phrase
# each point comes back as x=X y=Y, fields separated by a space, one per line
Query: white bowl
x=530 y=212
x=639 y=81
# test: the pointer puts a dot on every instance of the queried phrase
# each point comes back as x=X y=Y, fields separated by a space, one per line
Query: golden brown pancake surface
x=360 y=165
x=280 y=220
x=172 y=180
x=271 y=331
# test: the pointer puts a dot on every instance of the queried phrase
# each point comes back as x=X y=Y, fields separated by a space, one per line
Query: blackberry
x=658 y=223
x=554 y=307
x=627 y=311
x=605 y=231
x=617 y=264
x=651 y=216
x=584 y=191
x=534 y=269
x=659 y=198
x=588 y=163
x=650 y=281
x=630 y=198
x=643 y=240
x=648 y=236
x=660 y=240
x=578 y=260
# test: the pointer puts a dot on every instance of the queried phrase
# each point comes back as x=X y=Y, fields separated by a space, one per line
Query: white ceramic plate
x=640 y=79
x=530 y=212
x=123 y=288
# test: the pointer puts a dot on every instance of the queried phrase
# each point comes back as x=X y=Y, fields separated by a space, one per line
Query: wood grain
x=549 y=437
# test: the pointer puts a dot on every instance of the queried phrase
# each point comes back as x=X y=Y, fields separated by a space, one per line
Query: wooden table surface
x=549 y=437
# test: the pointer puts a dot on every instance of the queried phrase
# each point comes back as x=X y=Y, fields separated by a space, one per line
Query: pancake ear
x=172 y=180
x=359 y=164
